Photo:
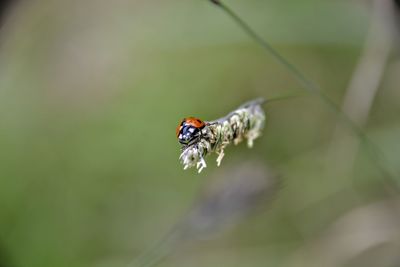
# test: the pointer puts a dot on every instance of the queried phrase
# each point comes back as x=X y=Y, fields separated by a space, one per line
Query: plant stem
x=313 y=88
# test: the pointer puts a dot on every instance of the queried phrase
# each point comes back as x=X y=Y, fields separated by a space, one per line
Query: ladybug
x=189 y=130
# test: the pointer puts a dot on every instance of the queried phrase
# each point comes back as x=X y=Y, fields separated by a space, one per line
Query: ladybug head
x=189 y=130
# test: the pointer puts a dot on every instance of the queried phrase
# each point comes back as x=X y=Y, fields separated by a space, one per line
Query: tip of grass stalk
x=216 y=2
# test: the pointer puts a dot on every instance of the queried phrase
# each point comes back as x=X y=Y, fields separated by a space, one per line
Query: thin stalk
x=282 y=97
x=373 y=151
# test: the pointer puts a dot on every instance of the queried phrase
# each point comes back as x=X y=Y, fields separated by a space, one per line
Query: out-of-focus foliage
x=90 y=95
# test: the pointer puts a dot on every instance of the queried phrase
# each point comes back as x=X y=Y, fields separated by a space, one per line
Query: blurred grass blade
x=373 y=151
x=232 y=193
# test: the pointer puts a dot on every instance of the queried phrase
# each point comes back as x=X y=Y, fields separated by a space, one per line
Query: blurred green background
x=91 y=93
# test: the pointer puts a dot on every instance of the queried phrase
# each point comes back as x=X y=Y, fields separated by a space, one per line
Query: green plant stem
x=373 y=151
x=303 y=80
x=282 y=97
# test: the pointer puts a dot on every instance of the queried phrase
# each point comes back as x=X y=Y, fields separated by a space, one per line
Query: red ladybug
x=189 y=130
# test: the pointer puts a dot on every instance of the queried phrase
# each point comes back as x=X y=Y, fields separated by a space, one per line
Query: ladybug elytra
x=189 y=130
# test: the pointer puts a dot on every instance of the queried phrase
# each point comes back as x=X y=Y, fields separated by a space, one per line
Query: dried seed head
x=244 y=123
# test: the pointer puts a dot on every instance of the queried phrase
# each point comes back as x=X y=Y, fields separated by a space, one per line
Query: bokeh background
x=91 y=93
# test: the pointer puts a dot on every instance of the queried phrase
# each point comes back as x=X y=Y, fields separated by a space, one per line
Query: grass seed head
x=244 y=123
